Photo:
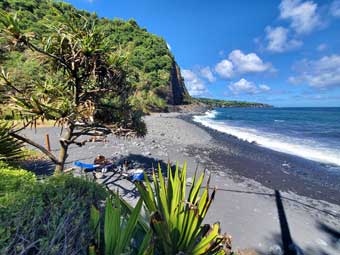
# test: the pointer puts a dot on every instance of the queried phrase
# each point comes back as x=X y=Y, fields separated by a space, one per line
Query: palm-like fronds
x=10 y=148
x=119 y=229
x=176 y=218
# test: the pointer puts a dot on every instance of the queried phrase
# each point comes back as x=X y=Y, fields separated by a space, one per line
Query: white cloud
x=322 y=73
x=225 y=68
x=240 y=63
x=247 y=63
x=206 y=73
x=302 y=15
x=168 y=45
x=321 y=47
x=335 y=8
x=264 y=87
x=278 y=41
x=243 y=86
x=188 y=74
x=194 y=84
x=246 y=87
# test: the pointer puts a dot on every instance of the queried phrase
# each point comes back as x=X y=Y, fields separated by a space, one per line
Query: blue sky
x=285 y=52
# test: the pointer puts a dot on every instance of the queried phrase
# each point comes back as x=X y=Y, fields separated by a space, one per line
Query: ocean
x=311 y=133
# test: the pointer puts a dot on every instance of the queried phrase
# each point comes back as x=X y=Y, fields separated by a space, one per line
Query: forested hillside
x=217 y=103
x=151 y=67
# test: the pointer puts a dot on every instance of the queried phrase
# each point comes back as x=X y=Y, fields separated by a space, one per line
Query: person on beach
x=101 y=160
x=103 y=163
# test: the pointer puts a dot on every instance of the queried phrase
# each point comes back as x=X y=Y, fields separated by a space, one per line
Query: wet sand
x=274 y=169
x=258 y=189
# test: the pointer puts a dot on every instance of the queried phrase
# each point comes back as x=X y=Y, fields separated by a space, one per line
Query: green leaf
x=129 y=229
x=176 y=219
x=95 y=223
x=146 y=248
x=112 y=219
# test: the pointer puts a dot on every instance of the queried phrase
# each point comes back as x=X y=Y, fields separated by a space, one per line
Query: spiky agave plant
x=10 y=148
x=176 y=219
x=119 y=232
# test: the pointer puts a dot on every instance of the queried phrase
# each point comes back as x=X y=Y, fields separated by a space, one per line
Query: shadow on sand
x=284 y=198
x=333 y=240
x=126 y=188
x=40 y=167
x=285 y=239
x=117 y=180
x=289 y=248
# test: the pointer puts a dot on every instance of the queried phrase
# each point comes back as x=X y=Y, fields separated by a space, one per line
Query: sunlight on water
x=303 y=147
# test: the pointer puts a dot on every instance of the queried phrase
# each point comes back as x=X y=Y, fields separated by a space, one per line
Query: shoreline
x=245 y=204
x=272 y=140
x=273 y=169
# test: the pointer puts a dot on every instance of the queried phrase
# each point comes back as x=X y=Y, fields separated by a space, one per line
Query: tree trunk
x=36 y=145
x=59 y=168
x=63 y=151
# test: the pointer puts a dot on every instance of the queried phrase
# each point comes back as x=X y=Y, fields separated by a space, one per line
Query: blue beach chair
x=86 y=167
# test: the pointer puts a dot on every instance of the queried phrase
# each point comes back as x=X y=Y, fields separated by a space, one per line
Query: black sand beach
x=275 y=170
x=258 y=189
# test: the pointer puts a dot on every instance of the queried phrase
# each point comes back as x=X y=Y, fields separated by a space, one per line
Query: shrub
x=14 y=179
x=52 y=218
x=31 y=154
x=124 y=232
x=176 y=218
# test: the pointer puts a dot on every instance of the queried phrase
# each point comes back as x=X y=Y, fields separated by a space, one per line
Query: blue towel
x=85 y=166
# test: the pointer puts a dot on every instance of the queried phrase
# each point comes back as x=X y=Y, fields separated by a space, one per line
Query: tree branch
x=93 y=131
x=102 y=90
x=25 y=125
x=36 y=145
x=8 y=83
x=35 y=48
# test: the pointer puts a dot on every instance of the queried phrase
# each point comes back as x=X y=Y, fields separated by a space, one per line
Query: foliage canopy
x=148 y=60
x=84 y=88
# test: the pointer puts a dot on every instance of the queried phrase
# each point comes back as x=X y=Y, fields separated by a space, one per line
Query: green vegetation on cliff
x=217 y=103
x=151 y=67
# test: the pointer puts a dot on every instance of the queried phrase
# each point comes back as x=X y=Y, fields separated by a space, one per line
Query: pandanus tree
x=85 y=89
x=10 y=148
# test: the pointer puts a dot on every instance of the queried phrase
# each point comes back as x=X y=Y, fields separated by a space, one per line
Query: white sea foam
x=300 y=147
x=210 y=114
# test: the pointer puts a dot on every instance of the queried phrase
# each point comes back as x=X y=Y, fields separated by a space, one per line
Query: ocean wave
x=299 y=147
x=211 y=114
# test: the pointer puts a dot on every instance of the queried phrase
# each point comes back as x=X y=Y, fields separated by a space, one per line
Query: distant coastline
x=218 y=103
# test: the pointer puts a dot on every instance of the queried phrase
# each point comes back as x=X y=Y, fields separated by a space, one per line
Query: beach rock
x=275 y=250
x=220 y=173
x=286 y=165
